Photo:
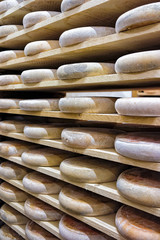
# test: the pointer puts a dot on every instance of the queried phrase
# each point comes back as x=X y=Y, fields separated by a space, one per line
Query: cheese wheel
x=39 y=211
x=38 y=75
x=81 y=202
x=141 y=146
x=90 y=170
x=87 y=104
x=78 y=35
x=36 y=47
x=139 y=17
x=6 y=103
x=140 y=106
x=39 y=104
x=35 y=232
x=5 y=30
x=11 y=170
x=11 y=126
x=73 y=229
x=137 y=225
x=33 y=18
x=6 y=233
x=81 y=70
x=44 y=157
x=11 y=216
x=12 y=194
x=70 y=4
x=13 y=148
x=138 y=62
x=49 y=131
x=10 y=55
x=9 y=79
x=7 y=4
x=39 y=183
x=88 y=137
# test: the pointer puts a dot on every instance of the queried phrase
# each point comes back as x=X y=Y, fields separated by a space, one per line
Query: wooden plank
x=148 y=93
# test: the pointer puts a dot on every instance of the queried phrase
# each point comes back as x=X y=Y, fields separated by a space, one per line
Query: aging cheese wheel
x=35 y=232
x=82 y=202
x=139 y=145
x=39 y=183
x=81 y=70
x=39 y=104
x=40 y=46
x=11 y=216
x=138 y=62
x=77 y=35
x=11 y=126
x=12 y=194
x=142 y=106
x=70 y=4
x=44 y=157
x=139 y=17
x=5 y=30
x=134 y=224
x=12 y=170
x=38 y=75
x=73 y=229
x=6 y=233
x=13 y=148
x=7 y=4
x=10 y=55
x=40 y=211
x=87 y=104
x=6 y=103
x=9 y=79
x=140 y=186
x=90 y=170
x=88 y=137
x=33 y=18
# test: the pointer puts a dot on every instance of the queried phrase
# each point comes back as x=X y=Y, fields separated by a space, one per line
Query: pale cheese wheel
x=40 y=211
x=88 y=137
x=33 y=18
x=7 y=4
x=6 y=103
x=78 y=35
x=140 y=106
x=87 y=104
x=139 y=17
x=12 y=216
x=90 y=170
x=73 y=229
x=5 y=30
x=9 y=79
x=38 y=75
x=13 y=148
x=138 y=62
x=141 y=146
x=10 y=55
x=40 y=104
x=86 y=69
x=82 y=202
x=36 y=47
x=11 y=126
x=134 y=224
x=35 y=232
x=39 y=183
x=6 y=233
x=11 y=170
x=70 y=4
x=12 y=194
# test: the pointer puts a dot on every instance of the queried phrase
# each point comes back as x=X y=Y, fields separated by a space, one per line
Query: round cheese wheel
x=11 y=126
x=6 y=233
x=39 y=183
x=139 y=145
x=35 y=232
x=5 y=30
x=39 y=104
x=36 y=47
x=6 y=103
x=44 y=157
x=137 y=225
x=9 y=79
x=70 y=4
x=90 y=170
x=81 y=70
x=140 y=106
x=39 y=211
x=12 y=170
x=138 y=62
x=12 y=194
x=11 y=216
x=7 y=4
x=38 y=75
x=78 y=35
x=88 y=137
x=139 y=17
x=141 y=186
x=87 y=104
x=10 y=54
x=82 y=202
x=33 y=18
x=73 y=229
x=12 y=148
